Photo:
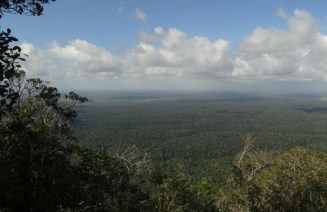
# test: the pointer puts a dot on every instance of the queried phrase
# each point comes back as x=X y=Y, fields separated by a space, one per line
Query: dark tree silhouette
x=26 y=7
x=10 y=56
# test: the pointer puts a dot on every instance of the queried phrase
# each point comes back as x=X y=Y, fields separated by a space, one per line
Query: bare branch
x=136 y=161
x=247 y=147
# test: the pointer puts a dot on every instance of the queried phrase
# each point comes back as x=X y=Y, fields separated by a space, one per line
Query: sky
x=222 y=45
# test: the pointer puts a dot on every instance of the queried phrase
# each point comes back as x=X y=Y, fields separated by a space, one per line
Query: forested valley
x=154 y=151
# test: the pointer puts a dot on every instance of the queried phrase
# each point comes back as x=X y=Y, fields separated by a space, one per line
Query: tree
x=101 y=182
x=8 y=70
x=260 y=181
x=10 y=56
x=42 y=168
x=26 y=7
x=296 y=181
x=174 y=192
x=33 y=154
x=234 y=195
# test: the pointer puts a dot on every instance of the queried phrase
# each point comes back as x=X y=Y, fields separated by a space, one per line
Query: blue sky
x=102 y=24
x=184 y=44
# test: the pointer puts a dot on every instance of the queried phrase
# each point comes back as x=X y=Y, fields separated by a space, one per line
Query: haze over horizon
x=273 y=46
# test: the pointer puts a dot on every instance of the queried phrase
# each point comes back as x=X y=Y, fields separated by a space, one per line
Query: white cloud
x=140 y=14
x=146 y=37
x=281 y=13
x=178 y=56
x=301 y=30
x=298 y=53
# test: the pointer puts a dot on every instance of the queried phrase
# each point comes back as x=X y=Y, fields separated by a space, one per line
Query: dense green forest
x=203 y=131
x=154 y=151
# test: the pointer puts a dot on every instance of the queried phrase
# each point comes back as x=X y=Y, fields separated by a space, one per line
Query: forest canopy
x=44 y=168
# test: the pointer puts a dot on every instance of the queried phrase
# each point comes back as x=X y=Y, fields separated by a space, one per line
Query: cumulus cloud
x=178 y=56
x=301 y=30
x=77 y=61
x=146 y=37
x=298 y=53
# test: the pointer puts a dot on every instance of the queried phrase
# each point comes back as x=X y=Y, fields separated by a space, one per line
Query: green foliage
x=32 y=154
x=296 y=181
x=8 y=70
x=293 y=181
x=43 y=169
x=174 y=192
x=102 y=182
x=34 y=171
x=204 y=131
x=10 y=56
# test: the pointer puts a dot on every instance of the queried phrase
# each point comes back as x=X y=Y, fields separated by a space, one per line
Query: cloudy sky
x=177 y=45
